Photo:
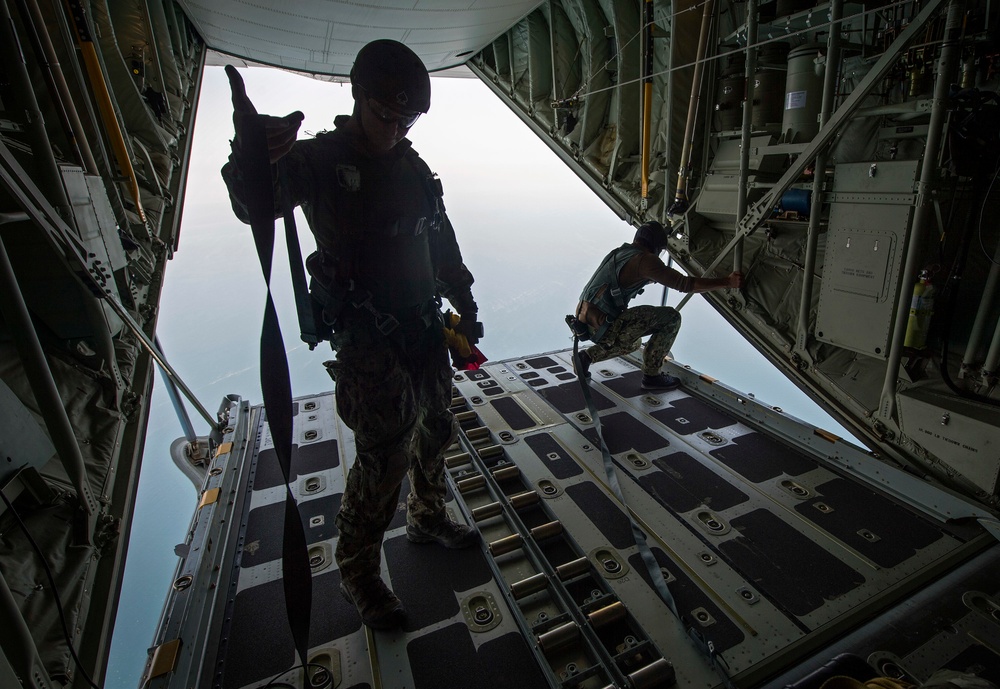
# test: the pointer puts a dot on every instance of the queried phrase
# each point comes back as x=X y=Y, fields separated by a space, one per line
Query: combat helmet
x=653 y=235
x=392 y=73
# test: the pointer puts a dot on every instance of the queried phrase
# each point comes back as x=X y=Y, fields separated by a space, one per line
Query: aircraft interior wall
x=97 y=103
x=849 y=173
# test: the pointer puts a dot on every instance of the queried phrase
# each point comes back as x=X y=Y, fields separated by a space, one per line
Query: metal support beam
x=760 y=210
x=983 y=314
x=647 y=94
x=923 y=214
x=992 y=356
x=43 y=385
x=167 y=369
x=819 y=178
x=687 y=144
x=178 y=403
x=667 y=115
x=18 y=646
x=34 y=123
x=32 y=17
x=68 y=246
x=749 y=72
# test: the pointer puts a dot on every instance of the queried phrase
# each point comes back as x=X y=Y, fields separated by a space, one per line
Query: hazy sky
x=530 y=231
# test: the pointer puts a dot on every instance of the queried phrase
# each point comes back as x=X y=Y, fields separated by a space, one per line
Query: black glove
x=470 y=328
x=281 y=132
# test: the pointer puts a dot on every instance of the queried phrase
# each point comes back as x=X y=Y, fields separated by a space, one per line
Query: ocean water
x=530 y=231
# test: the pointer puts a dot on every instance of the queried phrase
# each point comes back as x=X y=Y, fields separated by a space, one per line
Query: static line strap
x=701 y=642
x=276 y=386
x=300 y=287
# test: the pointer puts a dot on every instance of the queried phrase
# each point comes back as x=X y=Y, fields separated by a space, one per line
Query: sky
x=530 y=231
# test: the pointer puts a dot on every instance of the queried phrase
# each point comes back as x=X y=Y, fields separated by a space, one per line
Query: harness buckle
x=360 y=302
x=385 y=323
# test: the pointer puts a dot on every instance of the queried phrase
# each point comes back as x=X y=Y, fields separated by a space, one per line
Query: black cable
x=986 y=198
x=55 y=591
x=275 y=684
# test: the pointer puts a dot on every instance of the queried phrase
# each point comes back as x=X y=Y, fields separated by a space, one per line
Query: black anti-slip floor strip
x=789 y=568
x=501 y=663
x=426 y=578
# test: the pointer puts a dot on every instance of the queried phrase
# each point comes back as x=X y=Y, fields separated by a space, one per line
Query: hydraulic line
x=750 y=71
x=647 y=93
x=98 y=83
x=56 y=80
x=42 y=155
x=687 y=144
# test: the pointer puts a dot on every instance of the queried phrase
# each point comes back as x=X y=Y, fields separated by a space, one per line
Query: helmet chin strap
x=358 y=94
x=360 y=121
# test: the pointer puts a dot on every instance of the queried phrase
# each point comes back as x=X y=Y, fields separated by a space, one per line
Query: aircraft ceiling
x=323 y=36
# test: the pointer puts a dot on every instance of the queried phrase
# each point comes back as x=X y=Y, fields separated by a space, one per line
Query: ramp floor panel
x=885 y=533
x=499 y=664
x=760 y=458
x=789 y=568
x=689 y=415
x=682 y=484
x=765 y=543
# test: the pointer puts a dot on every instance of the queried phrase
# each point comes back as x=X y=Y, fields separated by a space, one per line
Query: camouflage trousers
x=625 y=334
x=397 y=403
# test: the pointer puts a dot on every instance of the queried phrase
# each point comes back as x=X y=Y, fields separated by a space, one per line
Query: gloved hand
x=464 y=354
x=281 y=131
x=470 y=328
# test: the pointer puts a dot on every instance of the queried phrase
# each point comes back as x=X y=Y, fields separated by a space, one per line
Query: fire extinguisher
x=921 y=310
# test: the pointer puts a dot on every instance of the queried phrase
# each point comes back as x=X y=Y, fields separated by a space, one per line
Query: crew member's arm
x=652 y=268
x=454 y=282
x=281 y=136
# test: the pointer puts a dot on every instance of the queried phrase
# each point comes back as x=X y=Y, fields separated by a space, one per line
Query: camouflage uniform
x=617 y=329
x=381 y=224
x=625 y=334
x=397 y=403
